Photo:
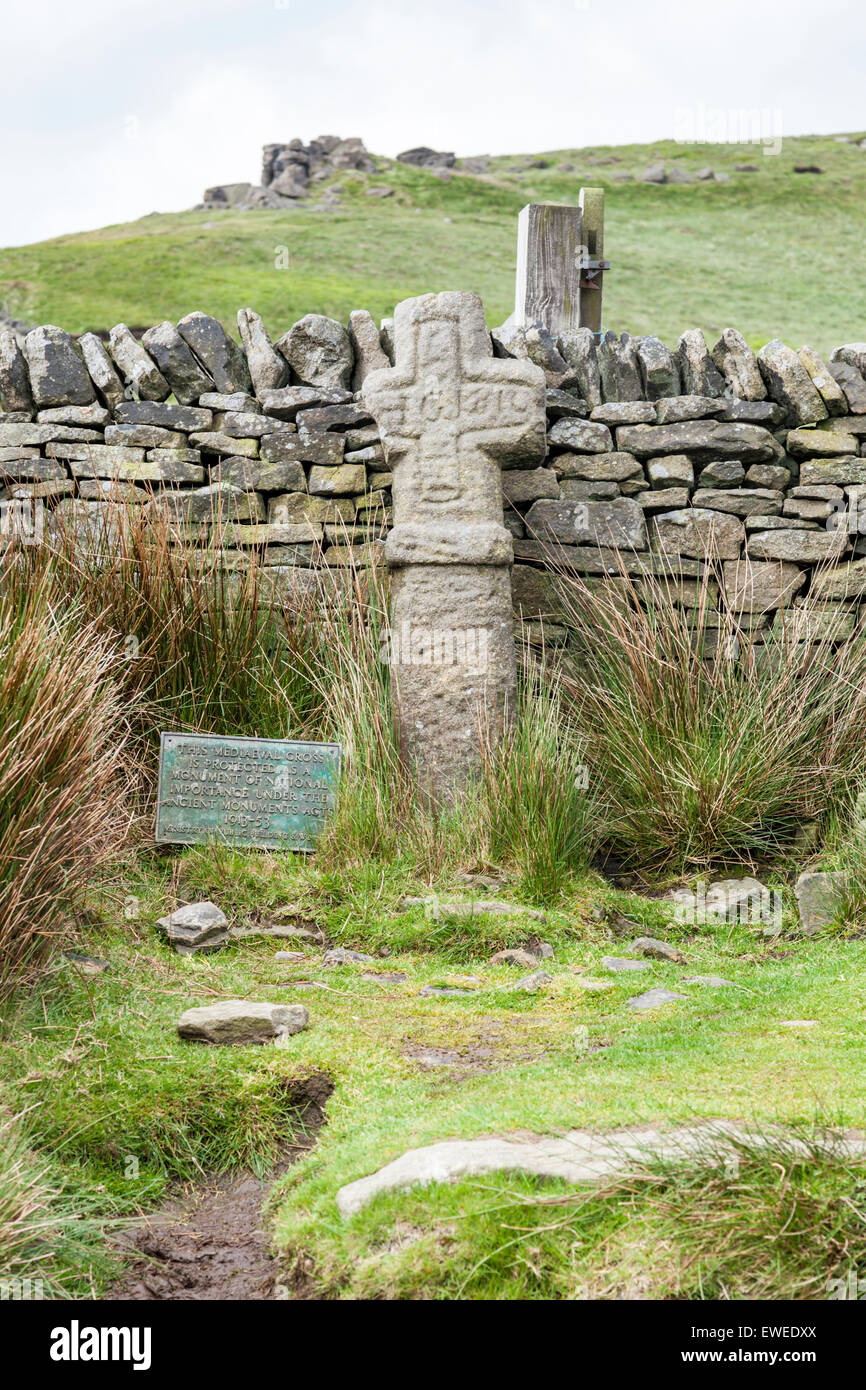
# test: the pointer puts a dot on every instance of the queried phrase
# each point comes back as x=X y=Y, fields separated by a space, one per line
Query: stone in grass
x=237 y=1022
x=444 y=992
x=711 y=981
x=617 y=964
x=340 y=956
x=87 y=965
x=819 y=898
x=388 y=978
x=659 y=950
x=531 y=984
x=492 y=907
x=514 y=956
x=653 y=999
x=294 y=956
x=197 y=927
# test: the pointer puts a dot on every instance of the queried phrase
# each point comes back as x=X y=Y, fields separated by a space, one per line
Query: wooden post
x=548 y=267
x=591 y=205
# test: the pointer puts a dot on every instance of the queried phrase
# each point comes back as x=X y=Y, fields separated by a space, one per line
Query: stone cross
x=450 y=416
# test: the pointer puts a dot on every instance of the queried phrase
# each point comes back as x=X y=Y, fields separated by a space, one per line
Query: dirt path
x=211 y=1242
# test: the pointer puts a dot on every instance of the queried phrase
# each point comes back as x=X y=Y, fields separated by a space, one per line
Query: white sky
x=116 y=108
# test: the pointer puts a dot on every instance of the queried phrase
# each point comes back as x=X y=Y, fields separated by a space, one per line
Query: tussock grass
x=65 y=767
x=707 y=760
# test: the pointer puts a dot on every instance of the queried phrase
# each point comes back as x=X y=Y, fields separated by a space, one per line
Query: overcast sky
x=116 y=108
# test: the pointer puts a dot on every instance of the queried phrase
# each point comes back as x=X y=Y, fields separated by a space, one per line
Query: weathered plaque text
x=260 y=792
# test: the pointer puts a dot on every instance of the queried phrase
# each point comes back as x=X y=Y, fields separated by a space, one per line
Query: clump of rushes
x=710 y=746
x=208 y=648
x=65 y=767
x=538 y=811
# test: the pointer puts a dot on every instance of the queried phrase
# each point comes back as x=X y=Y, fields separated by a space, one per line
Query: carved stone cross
x=450 y=416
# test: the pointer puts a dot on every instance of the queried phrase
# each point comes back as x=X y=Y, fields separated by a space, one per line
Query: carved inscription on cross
x=449 y=413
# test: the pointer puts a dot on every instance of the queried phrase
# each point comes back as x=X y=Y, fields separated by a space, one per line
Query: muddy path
x=211 y=1241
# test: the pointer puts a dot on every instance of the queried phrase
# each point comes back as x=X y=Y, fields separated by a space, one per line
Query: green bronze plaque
x=264 y=793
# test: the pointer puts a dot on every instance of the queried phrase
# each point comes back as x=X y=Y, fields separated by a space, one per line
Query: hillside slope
x=774 y=252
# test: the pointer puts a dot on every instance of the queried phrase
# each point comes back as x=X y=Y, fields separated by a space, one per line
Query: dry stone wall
x=668 y=455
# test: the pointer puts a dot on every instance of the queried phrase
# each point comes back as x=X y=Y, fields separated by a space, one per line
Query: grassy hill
x=774 y=252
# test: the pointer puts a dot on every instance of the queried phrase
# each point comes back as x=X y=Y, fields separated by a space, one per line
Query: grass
x=107 y=1078
x=684 y=255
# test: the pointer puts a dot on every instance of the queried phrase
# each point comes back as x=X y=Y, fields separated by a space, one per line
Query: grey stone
x=625 y=413
x=738 y=364
x=289 y=400
x=698 y=373
x=621 y=964
x=15 y=393
x=242 y=424
x=319 y=351
x=741 y=501
x=354 y=418
x=238 y=1022
x=842 y=582
x=529 y=485
x=234 y=401
x=186 y=377
x=564 y=404
x=581 y=490
x=823 y=443
x=340 y=956
x=820 y=898
x=195 y=925
x=667 y=499
x=824 y=382
x=619 y=369
x=755 y=586
x=136 y=366
x=578 y=348
x=581 y=435
x=789 y=384
x=706 y=439
x=306 y=446
x=668 y=412
x=164 y=415
x=269 y=370
x=659 y=950
x=514 y=955
x=216 y=442
x=578 y=1157
x=618 y=523
x=852 y=384
x=261 y=475
x=853 y=355
x=653 y=999
x=56 y=368
x=799 y=547
x=101 y=369
x=220 y=356
x=753 y=412
x=727 y=473
x=449 y=553
x=710 y=981
x=771 y=475
x=217 y=501
x=655 y=173
x=700 y=533
x=347 y=480
x=676 y=471
x=369 y=353
x=94 y=416
x=531 y=984
x=659 y=369
x=444 y=992
x=145 y=436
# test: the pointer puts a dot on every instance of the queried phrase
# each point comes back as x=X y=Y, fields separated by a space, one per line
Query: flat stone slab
x=236 y=1022
x=622 y=963
x=492 y=907
x=653 y=999
x=340 y=956
x=577 y=1156
x=711 y=981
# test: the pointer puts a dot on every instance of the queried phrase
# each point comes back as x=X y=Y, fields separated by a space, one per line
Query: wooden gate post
x=592 y=277
x=559 y=264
